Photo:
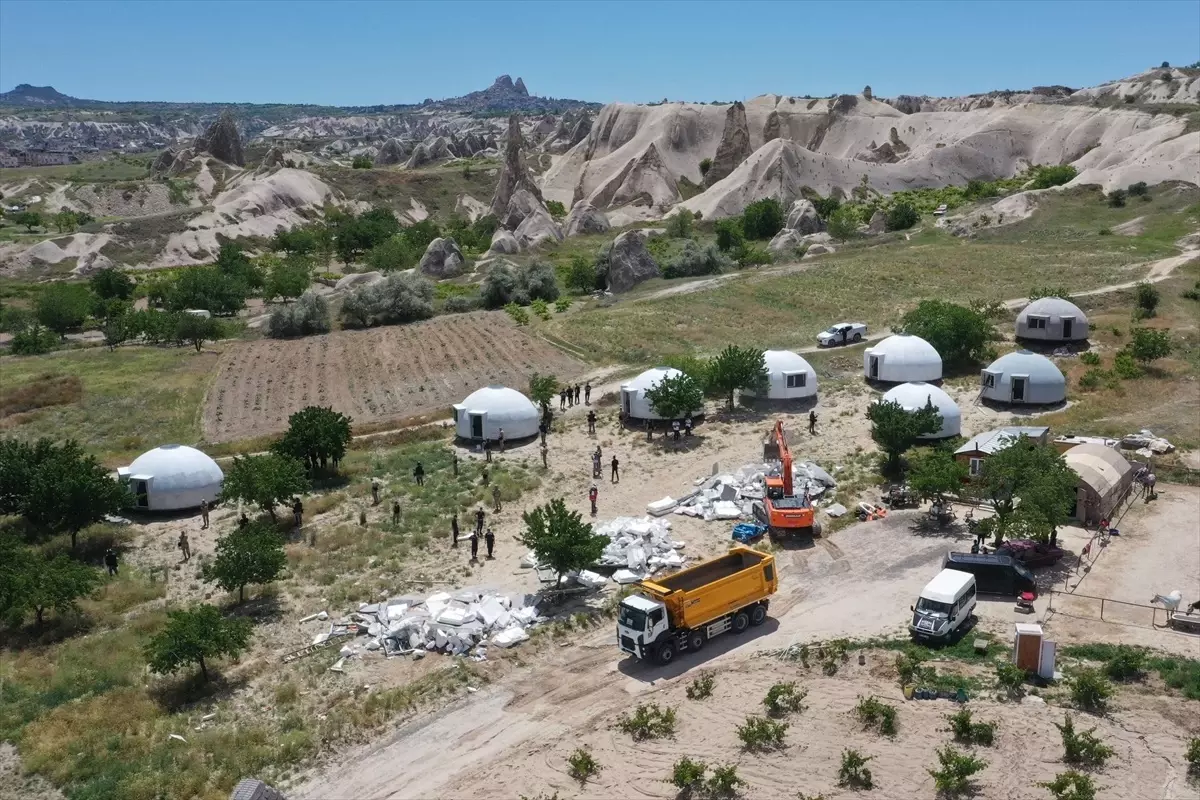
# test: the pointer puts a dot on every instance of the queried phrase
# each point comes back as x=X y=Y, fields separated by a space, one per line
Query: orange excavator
x=784 y=513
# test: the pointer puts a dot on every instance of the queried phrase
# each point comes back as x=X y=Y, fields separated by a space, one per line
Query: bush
x=679 y=224
x=762 y=219
x=760 y=733
x=395 y=300
x=362 y=162
x=875 y=714
x=687 y=776
x=562 y=304
x=556 y=209
x=507 y=284
x=1010 y=679
x=696 y=259
x=724 y=782
x=518 y=313
x=754 y=257
x=1038 y=292
x=969 y=732
x=901 y=217
x=392 y=254
x=1082 y=748
x=1192 y=756
x=1045 y=177
x=540 y=309
x=1149 y=344
x=1090 y=358
x=730 y=235
x=1125 y=367
x=843 y=224
x=705 y=165
x=1126 y=663
x=582 y=766
x=33 y=340
x=826 y=206
x=1090 y=690
x=784 y=698
x=1193 y=293
x=853 y=772
x=960 y=335
x=1139 y=189
x=701 y=687
x=648 y=721
x=1093 y=379
x=459 y=304
x=581 y=276
x=1116 y=198
x=1147 y=297
x=306 y=317
x=1071 y=785
x=955 y=768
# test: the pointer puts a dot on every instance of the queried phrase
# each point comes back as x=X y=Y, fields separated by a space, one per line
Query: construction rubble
x=638 y=547
x=730 y=496
x=1145 y=443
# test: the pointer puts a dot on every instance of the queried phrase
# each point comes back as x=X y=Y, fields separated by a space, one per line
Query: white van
x=946 y=604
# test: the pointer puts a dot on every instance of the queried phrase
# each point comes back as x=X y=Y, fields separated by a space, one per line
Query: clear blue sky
x=350 y=53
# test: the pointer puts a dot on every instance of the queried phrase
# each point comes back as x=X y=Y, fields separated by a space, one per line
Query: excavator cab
x=783 y=511
x=774 y=487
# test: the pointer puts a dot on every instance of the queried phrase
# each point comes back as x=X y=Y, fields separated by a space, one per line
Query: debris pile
x=1145 y=443
x=730 y=496
x=639 y=547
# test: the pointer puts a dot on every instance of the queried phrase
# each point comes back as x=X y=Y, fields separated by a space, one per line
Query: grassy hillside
x=437 y=188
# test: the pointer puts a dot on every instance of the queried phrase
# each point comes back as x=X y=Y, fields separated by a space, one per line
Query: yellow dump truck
x=683 y=611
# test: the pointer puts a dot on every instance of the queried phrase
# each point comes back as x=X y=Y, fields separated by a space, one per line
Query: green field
x=436 y=187
x=111 y=168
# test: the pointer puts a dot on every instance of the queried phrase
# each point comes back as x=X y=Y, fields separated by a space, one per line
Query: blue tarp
x=745 y=532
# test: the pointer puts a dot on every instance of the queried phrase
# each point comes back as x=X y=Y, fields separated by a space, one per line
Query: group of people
x=480 y=532
x=569 y=396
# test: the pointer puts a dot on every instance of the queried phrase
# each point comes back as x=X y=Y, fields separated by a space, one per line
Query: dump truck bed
x=716 y=587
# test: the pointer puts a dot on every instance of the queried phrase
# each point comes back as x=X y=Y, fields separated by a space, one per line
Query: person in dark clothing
x=475 y=546
x=483 y=476
x=184 y=546
x=649 y=433
x=812 y=422
x=110 y=561
x=298 y=512
x=479 y=517
x=542 y=431
x=419 y=473
x=596 y=465
x=454 y=530
x=395 y=512
x=578 y=389
x=591 y=422
x=675 y=429
x=593 y=494
x=562 y=399
x=243 y=520
x=456 y=465
x=490 y=540
x=587 y=393
x=500 y=439
x=687 y=427
x=496 y=499
x=545 y=455
x=203 y=514
x=487 y=449
x=616 y=470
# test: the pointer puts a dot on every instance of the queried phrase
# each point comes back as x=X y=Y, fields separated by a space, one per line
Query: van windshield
x=633 y=618
x=933 y=607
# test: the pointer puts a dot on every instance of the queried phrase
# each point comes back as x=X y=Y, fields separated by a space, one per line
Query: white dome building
x=172 y=477
x=915 y=396
x=1023 y=377
x=902 y=358
x=633 y=394
x=790 y=376
x=485 y=411
x=1052 y=319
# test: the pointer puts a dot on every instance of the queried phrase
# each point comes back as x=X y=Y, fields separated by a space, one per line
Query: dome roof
x=177 y=468
x=785 y=361
x=904 y=349
x=500 y=402
x=651 y=378
x=915 y=396
x=1037 y=367
x=1052 y=307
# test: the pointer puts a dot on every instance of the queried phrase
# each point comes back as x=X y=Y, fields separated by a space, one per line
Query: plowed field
x=374 y=375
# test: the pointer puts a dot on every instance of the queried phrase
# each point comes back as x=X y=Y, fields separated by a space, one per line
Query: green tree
x=30 y=219
x=737 y=368
x=679 y=224
x=69 y=490
x=902 y=216
x=195 y=636
x=762 y=219
x=288 y=278
x=1147 y=296
x=233 y=262
x=63 y=307
x=33 y=340
x=542 y=389
x=301 y=241
x=581 y=276
x=556 y=209
x=959 y=334
x=560 y=538
x=1150 y=344
x=248 y=554
x=1116 y=198
x=196 y=330
x=895 y=430
x=34 y=583
x=362 y=162
x=730 y=236
x=392 y=254
x=111 y=283
x=264 y=480
x=1030 y=487
x=65 y=221
x=117 y=331
x=934 y=473
x=315 y=437
x=843 y=224
x=1045 y=177
x=705 y=166
x=208 y=289
x=826 y=206
x=676 y=396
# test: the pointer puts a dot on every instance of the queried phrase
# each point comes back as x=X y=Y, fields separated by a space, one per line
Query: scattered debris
x=338 y=666
x=730 y=496
x=1145 y=443
x=836 y=510
x=640 y=546
x=178 y=737
x=321 y=615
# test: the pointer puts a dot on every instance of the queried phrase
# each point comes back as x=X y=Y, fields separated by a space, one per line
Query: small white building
x=172 y=477
x=902 y=358
x=790 y=376
x=915 y=396
x=1023 y=377
x=634 y=403
x=485 y=411
x=1052 y=319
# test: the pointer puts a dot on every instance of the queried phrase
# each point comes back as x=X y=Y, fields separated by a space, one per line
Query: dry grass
x=41 y=392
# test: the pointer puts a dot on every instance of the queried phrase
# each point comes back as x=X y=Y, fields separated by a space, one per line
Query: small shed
x=171 y=478
x=1023 y=378
x=790 y=376
x=915 y=396
x=1052 y=319
x=902 y=358
x=487 y=411
x=1105 y=478
x=634 y=402
x=979 y=447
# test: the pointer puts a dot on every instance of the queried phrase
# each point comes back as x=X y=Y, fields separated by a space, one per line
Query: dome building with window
x=915 y=396
x=1023 y=378
x=484 y=412
x=902 y=358
x=1052 y=319
x=172 y=478
x=789 y=375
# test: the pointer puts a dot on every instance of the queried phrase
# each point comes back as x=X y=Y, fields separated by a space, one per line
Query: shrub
x=506 y=284
x=395 y=300
x=902 y=216
x=582 y=766
x=1139 y=189
x=648 y=721
x=581 y=276
x=1116 y=198
x=760 y=733
x=730 y=235
x=701 y=687
x=392 y=254
x=955 y=768
x=679 y=224
x=784 y=698
x=1045 y=177
x=696 y=259
x=556 y=209
x=754 y=257
x=459 y=304
x=843 y=224
x=1192 y=756
x=307 y=316
x=1126 y=663
x=1071 y=785
x=1147 y=298
x=562 y=304
x=1090 y=358
x=540 y=309
x=1193 y=293
x=362 y=162
x=705 y=165
x=33 y=340
x=854 y=773
x=724 y=782
x=961 y=335
x=969 y=732
x=688 y=776
x=1010 y=679
x=875 y=714
x=1106 y=231
x=762 y=219
x=1084 y=747
x=519 y=315
x=1092 y=379
x=1149 y=344
x=1125 y=367
x=1090 y=690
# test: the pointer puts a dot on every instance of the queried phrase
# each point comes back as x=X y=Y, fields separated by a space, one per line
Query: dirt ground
x=373 y=375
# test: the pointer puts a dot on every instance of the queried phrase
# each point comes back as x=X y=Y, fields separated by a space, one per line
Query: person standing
x=454 y=531
x=687 y=427
x=496 y=499
x=616 y=470
x=545 y=455
x=374 y=491
x=203 y=515
x=298 y=512
x=185 y=546
x=578 y=388
x=479 y=517
x=456 y=465
x=396 y=512
x=593 y=495
x=419 y=473
x=542 y=431
x=483 y=475
x=110 y=561
x=500 y=437
x=475 y=546
x=812 y=422
x=591 y=421
x=596 y=465
x=587 y=393
x=562 y=399
x=487 y=449
x=490 y=540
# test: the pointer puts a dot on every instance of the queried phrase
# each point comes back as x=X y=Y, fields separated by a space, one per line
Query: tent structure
x=1105 y=478
x=1052 y=319
x=172 y=477
x=790 y=376
x=915 y=396
x=902 y=358
x=634 y=402
x=1023 y=377
x=484 y=412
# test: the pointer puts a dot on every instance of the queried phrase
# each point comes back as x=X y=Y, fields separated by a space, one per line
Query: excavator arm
x=785 y=459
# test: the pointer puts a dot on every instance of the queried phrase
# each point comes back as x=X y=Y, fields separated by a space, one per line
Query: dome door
x=1068 y=324
x=1018 y=389
x=874 y=371
x=476 y=426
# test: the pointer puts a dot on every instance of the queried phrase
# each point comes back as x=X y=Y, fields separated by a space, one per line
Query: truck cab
x=640 y=623
x=946 y=604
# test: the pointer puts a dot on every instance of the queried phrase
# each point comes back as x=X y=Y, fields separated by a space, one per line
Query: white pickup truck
x=842 y=333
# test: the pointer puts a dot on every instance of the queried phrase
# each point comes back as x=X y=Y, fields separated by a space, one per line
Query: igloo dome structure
x=1023 y=377
x=790 y=376
x=172 y=477
x=1052 y=319
x=902 y=358
x=915 y=396
x=634 y=402
x=484 y=412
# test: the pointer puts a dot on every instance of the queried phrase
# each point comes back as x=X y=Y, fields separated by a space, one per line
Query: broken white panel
x=510 y=636
x=723 y=509
x=624 y=576
x=489 y=611
x=660 y=507
x=436 y=603
x=591 y=579
x=836 y=510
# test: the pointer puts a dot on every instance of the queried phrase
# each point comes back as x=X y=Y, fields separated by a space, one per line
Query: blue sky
x=352 y=53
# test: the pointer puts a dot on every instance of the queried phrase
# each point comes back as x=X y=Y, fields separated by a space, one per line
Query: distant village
x=38 y=157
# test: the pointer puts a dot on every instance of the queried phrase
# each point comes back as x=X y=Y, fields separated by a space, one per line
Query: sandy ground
x=15 y=785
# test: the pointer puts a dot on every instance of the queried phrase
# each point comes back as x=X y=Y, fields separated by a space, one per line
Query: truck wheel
x=695 y=640
x=666 y=653
x=858 y=337
x=740 y=622
x=758 y=615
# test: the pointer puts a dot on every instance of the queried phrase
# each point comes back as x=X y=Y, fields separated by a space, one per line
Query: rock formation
x=734 y=147
x=645 y=181
x=517 y=195
x=183 y=160
x=878 y=223
x=818 y=250
x=771 y=129
x=519 y=87
x=785 y=241
x=803 y=218
x=222 y=141
x=629 y=262
x=503 y=243
x=163 y=162
x=537 y=227
x=393 y=151
x=273 y=158
x=585 y=218
x=442 y=259
x=419 y=157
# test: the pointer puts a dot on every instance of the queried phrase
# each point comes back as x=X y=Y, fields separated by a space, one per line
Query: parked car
x=1031 y=553
x=842 y=333
x=940 y=210
x=995 y=573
